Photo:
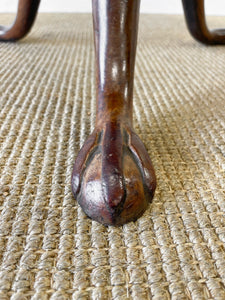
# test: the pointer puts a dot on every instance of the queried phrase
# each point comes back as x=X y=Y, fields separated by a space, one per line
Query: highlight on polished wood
x=194 y=12
x=113 y=178
x=26 y=13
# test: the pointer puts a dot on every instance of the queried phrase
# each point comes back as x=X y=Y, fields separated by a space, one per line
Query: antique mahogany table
x=113 y=178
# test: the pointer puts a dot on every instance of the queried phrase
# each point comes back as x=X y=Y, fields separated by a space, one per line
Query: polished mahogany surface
x=113 y=177
x=26 y=13
x=194 y=12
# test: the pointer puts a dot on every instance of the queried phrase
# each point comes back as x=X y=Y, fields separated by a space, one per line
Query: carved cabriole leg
x=113 y=179
x=26 y=13
x=194 y=12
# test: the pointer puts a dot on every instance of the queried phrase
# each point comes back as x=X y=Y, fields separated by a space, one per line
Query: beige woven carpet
x=49 y=248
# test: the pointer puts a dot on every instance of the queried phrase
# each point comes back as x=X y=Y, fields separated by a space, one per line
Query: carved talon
x=116 y=180
x=26 y=13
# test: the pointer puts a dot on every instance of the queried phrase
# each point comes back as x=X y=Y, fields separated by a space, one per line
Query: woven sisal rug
x=48 y=248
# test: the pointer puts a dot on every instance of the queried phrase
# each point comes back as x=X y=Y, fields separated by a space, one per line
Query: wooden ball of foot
x=113 y=178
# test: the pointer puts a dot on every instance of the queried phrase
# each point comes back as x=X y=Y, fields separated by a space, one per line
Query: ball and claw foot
x=113 y=178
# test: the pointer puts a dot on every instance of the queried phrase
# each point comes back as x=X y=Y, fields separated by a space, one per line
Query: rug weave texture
x=49 y=249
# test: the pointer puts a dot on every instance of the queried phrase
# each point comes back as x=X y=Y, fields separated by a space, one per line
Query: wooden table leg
x=113 y=179
x=194 y=12
x=26 y=13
